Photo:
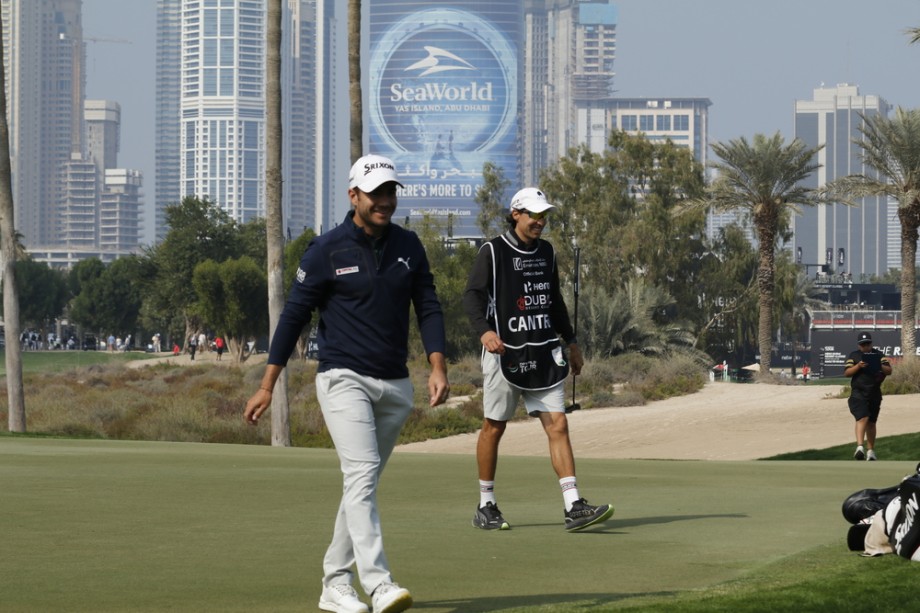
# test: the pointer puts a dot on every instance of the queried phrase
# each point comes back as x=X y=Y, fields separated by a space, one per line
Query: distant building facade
x=683 y=121
x=61 y=144
x=567 y=81
x=120 y=210
x=222 y=105
x=168 y=96
x=44 y=65
x=847 y=239
x=210 y=126
x=315 y=157
x=103 y=130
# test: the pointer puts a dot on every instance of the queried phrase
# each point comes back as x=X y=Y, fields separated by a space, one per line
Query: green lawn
x=137 y=526
x=57 y=361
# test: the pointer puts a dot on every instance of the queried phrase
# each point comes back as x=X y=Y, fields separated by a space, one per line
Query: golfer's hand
x=575 y=359
x=257 y=405
x=492 y=343
x=438 y=387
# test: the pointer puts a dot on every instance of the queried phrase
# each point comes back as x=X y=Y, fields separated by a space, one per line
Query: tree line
x=207 y=274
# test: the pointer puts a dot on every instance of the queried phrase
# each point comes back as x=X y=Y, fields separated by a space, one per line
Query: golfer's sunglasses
x=536 y=216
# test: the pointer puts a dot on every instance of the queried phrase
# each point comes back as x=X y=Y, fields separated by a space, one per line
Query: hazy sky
x=752 y=59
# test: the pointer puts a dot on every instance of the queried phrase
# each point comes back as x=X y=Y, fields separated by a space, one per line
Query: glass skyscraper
x=211 y=109
x=43 y=61
x=848 y=239
x=222 y=104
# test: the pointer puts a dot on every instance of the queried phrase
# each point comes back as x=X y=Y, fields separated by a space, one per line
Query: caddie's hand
x=257 y=405
x=492 y=343
x=575 y=359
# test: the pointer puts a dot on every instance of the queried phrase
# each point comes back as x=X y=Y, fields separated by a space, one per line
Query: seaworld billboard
x=443 y=99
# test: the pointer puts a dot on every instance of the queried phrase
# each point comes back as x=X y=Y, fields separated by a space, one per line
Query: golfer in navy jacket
x=361 y=277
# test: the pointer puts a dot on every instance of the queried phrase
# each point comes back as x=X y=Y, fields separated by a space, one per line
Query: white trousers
x=364 y=416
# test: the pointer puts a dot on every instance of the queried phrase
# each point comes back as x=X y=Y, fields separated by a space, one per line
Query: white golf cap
x=530 y=199
x=372 y=171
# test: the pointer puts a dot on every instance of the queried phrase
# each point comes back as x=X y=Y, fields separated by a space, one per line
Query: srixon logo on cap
x=369 y=168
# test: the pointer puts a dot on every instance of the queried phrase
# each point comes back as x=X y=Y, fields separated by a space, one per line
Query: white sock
x=569 y=491
x=486 y=492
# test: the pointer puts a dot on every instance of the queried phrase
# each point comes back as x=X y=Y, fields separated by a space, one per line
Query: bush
x=203 y=403
x=904 y=379
x=634 y=379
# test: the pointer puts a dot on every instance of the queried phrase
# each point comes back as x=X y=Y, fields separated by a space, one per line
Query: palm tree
x=631 y=320
x=799 y=298
x=765 y=179
x=8 y=255
x=274 y=232
x=891 y=147
x=354 y=79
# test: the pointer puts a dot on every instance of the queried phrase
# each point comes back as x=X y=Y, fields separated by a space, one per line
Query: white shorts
x=500 y=398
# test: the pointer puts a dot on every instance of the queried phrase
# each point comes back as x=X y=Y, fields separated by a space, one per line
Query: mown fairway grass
x=93 y=525
x=58 y=361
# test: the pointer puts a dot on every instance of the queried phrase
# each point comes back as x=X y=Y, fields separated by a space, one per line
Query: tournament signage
x=444 y=100
x=831 y=347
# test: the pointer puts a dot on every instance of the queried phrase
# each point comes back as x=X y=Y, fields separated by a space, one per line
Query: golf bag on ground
x=886 y=520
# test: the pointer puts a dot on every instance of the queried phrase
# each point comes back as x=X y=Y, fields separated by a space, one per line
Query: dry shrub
x=904 y=379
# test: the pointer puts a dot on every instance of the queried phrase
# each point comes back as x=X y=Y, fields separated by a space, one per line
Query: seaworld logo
x=445 y=92
x=433 y=63
x=441 y=91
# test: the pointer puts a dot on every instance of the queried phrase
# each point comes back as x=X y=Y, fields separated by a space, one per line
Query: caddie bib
x=521 y=283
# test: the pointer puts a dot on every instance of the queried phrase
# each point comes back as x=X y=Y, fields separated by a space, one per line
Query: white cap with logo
x=372 y=171
x=530 y=199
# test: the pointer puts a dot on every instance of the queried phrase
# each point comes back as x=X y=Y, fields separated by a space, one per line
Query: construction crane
x=99 y=39
x=102 y=39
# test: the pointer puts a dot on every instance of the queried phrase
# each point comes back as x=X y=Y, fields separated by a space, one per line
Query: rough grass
x=204 y=403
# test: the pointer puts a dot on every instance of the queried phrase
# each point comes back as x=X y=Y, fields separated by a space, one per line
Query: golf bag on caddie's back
x=886 y=520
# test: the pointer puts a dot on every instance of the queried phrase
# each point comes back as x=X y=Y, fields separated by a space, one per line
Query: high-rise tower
x=211 y=109
x=848 y=239
x=44 y=63
x=168 y=88
x=222 y=104
x=567 y=79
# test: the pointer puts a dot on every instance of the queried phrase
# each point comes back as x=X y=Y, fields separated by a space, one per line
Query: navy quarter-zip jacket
x=362 y=296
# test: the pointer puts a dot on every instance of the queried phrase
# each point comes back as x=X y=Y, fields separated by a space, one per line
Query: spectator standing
x=866 y=367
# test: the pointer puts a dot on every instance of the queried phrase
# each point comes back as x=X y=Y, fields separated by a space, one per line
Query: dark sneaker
x=490 y=518
x=859 y=454
x=583 y=515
